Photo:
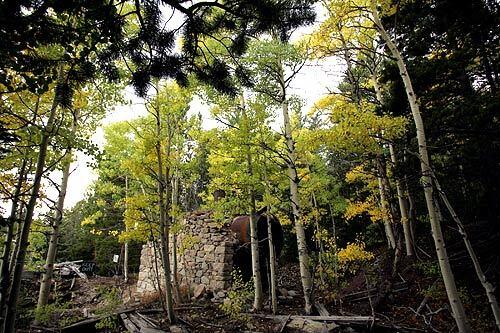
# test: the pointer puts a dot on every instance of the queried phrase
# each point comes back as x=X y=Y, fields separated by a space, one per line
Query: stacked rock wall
x=205 y=257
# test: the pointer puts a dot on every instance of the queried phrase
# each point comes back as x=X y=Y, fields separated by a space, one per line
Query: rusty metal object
x=243 y=258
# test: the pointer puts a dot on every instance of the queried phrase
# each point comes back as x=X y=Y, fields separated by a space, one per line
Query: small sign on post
x=87 y=267
x=116 y=257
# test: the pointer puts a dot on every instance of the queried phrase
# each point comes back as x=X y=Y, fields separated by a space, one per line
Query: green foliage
x=107 y=323
x=46 y=314
x=188 y=241
x=56 y=313
x=111 y=301
x=239 y=297
x=435 y=291
x=38 y=245
x=428 y=268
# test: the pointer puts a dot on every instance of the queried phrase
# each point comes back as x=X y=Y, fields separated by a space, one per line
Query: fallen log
x=397 y=287
x=340 y=319
x=82 y=326
x=285 y=321
x=136 y=323
x=365 y=294
x=321 y=309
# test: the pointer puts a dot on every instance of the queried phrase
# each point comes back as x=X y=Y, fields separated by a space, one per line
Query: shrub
x=111 y=302
x=346 y=261
x=238 y=297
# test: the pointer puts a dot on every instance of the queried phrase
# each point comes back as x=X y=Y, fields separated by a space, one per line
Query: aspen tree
x=46 y=283
x=11 y=311
x=254 y=242
x=444 y=263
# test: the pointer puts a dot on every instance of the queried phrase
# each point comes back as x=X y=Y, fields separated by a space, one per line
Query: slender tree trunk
x=13 y=256
x=444 y=263
x=46 y=283
x=272 y=263
x=389 y=234
x=10 y=318
x=403 y=204
x=270 y=240
x=164 y=228
x=254 y=241
x=319 y=242
x=403 y=209
x=305 y=273
x=412 y=215
x=125 y=246
x=334 y=235
x=5 y=269
x=175 y=280
x=20 y=217
x=488 y=287
x=384 y=203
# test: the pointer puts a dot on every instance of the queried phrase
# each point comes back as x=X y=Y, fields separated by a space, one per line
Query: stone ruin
x=205 y=258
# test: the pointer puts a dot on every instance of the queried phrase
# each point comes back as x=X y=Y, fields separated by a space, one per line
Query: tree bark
x=20 y=217
x=403 y=209
x=334 y=236
x=10 y=318
x=319 y=242
x=305 y=274
x=403 y=204
x=254 y=242
x=125 y=250
x=270 y=240
x=272 y=263
x=164 y=227
x=175 y=280
x=444 y=264
x=45 y=285
x=488 y=287
x=384 y=203
x=5 y=269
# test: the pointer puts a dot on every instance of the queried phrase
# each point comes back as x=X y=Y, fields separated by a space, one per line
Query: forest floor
x=415 y=303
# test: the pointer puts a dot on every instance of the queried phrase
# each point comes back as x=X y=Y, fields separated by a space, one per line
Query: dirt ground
x=396 y=311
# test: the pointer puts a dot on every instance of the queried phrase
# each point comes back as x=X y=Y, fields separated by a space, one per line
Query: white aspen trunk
x=125 y=250
x=254 y=242
x=17 y=240
x=444 y=263
x=334 y=234
x=5 y=268
x=403 y=209
x=304 y=262
x=164 y=228
x=389 y=234
x=305 y=273
x=272 y=263
x=403 y=204
x=411 y=204
x=488 y=287
x=383 y=187
x=46 y=283
x=318 y=241
x=175 y=280
x=391 y=213
x=43 y=296
x=272 y=252
x=10 y=318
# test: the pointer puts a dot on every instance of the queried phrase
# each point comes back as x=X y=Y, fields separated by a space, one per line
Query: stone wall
x=205 y=257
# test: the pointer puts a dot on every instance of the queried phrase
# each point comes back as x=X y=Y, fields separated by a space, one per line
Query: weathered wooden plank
x=321 y=309
x=136 y=323
x=347 y=319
